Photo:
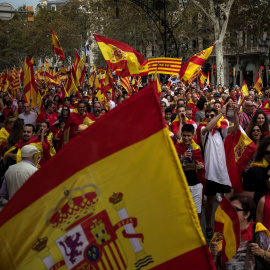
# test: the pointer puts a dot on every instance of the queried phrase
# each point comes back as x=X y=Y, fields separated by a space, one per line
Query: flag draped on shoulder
x=94 y=211
x=56 y=46
x=119 y=56
x=196 y=61
x=227 y=228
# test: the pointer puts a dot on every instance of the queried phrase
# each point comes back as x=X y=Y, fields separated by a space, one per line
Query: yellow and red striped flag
x=228 y=228
x=88 y=215
x=258 y=84
x=16 y=82
x=194 y=63
x=56 y=46
x=125 y=82
x=119 y=56
x=29 y=85
x=163 y=65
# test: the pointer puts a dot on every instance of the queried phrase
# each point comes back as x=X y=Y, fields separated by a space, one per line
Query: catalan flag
x=56 y=46
x=196 y=61
x=108 y=207
x=163 y=65
x=125 y=82
x=227 y=223
x=119 y=56
x=29 y=85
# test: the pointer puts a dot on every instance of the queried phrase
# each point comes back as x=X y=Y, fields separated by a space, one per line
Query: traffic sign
x=6 y=11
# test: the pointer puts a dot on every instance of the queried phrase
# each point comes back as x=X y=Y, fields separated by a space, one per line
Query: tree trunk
x=219 y=63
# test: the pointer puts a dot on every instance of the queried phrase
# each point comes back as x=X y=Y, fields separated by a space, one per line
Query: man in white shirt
x=110 y=103
x=216 y=172
x=19 y=173
x=28 y=116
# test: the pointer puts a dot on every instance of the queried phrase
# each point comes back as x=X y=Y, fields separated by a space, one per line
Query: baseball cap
x=29 y=150
x=217 y=94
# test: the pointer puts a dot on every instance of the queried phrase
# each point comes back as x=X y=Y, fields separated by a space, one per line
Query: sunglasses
x=267 y=153
x=210 y=115
x=64 y=109
x=255 y=130
x=238 y=209
x=250 y=106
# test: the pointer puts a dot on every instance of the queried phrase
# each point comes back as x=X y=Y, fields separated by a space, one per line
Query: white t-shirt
x=214 y=157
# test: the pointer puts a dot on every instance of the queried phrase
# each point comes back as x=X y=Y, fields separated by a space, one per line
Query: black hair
x=32 y=126
x=200 y=104
x=168 y=110
x=209 y=109
x=248 y=205
x=250 y=132
x=188 y=128
x=261 y=149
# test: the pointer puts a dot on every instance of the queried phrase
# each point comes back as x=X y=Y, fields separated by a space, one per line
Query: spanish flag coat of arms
x=115 y=197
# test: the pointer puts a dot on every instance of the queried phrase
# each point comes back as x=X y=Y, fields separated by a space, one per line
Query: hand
x=256 y=250
x=200 y=166
x=214 y=248
x=42 y=135
x=223 y=110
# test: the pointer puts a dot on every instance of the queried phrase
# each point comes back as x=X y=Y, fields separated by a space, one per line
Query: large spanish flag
x=228 y=228
x=196 y=61
x=119 y=56
x=117 y=202
x=162 y=65
x=56 y=46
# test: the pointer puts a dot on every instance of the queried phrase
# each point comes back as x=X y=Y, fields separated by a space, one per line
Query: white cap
x=29 y=150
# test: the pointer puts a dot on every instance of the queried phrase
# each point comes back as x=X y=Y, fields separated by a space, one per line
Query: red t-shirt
x=43 y=116
x=73 y=121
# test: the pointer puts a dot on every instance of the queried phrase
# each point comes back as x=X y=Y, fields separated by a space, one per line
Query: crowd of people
x=198 y=121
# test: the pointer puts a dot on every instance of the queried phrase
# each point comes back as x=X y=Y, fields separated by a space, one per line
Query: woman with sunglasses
x=263 y=209
x=255 y=253
x=256 y=134
x=64 y=113
x=261 y=119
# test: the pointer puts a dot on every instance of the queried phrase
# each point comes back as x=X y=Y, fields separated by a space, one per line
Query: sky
x=18 y=3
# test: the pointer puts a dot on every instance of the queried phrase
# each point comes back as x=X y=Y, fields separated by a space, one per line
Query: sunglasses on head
x=210 y=115
x=267 y=153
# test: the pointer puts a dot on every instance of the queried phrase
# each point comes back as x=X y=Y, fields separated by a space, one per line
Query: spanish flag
x=108 y=82
x=244 y=93
x=258 y=84
x=196 y=61
x=56 y=46
x=105 y=204
x=227 y=227
x=119 y=56
x=203 y=79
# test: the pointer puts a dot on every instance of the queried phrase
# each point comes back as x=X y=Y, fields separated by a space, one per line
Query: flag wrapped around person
x=120 y=57
x=94 y=210
x=196 y=61
x=56 y=46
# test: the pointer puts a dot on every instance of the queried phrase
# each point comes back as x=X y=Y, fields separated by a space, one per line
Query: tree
x=218 y=15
